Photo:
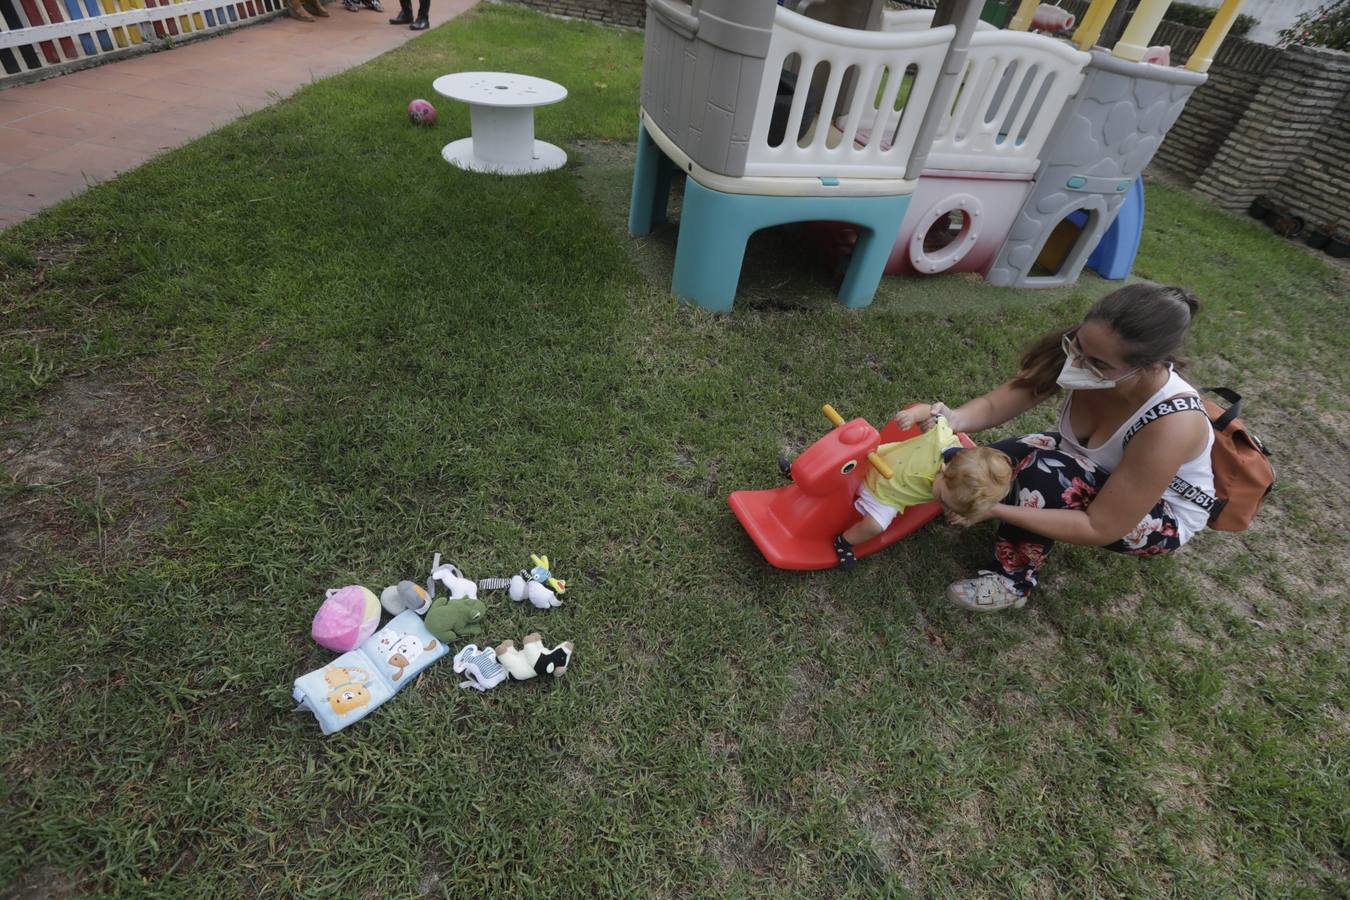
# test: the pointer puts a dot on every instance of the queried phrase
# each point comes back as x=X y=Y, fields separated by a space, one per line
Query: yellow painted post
x=1021 y=20
x=1134 y=42
x=1094 y=20
x=138 y=32
x=119 y=35
x=1214 y=35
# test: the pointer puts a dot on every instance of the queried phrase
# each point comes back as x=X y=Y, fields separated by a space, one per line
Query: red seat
x=794 y=526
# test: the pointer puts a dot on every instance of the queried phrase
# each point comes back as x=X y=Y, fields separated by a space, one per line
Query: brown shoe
x=296 y=11
x=316 y=7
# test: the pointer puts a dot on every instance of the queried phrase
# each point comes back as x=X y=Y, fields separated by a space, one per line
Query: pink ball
x=421 y=112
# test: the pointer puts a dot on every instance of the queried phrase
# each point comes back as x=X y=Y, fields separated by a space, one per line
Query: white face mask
x=1075 y=378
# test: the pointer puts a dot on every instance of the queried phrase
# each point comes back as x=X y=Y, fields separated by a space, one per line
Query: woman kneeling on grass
x=1097 y=479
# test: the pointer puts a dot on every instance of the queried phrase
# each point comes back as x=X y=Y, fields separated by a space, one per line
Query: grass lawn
x=303 y=352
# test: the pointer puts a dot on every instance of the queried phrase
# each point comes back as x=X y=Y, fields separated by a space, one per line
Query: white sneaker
x=987 y=593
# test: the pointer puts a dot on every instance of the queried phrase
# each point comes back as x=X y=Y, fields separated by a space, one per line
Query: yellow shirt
x=915 y=463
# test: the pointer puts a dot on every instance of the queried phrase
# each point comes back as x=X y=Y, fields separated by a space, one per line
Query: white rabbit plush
x=452 y=579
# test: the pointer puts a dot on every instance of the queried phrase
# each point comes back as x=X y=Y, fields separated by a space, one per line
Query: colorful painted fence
x=39 y=34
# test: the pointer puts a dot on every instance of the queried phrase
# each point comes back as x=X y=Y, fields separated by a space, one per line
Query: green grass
x=347 y=354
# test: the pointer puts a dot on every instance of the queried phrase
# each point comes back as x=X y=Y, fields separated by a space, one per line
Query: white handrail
x=1013 y=89
x=874 y=58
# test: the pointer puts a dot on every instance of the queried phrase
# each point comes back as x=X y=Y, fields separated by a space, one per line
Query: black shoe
x=785 y=466
x=420 y=24
x=403 y=18
x=844 y=551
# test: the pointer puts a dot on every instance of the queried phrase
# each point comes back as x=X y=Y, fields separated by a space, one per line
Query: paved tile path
x=60 y=135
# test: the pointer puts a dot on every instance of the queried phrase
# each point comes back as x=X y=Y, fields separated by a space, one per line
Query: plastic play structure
x=943 y=143
x=794 y=526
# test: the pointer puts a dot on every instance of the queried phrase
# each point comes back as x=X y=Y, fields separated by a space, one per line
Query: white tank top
x=1190 y=516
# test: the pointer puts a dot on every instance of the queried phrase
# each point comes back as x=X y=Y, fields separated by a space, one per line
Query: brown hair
x=976 y=479
x=1152 y=319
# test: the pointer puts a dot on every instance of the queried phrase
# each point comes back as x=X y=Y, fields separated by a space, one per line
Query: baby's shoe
x=844 y=551
x=987 y=593
x=785 y=466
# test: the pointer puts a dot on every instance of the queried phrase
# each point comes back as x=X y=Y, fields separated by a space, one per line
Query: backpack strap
x=1184 y=403
x=1180 y=486
x=1234 y=406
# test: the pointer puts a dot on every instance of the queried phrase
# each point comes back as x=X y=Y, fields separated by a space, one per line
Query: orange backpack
x=1243 y=475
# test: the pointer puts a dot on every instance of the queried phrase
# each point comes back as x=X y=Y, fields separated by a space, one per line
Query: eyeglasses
x=1075 y=353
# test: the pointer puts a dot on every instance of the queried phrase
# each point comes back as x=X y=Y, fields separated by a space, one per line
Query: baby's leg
x=864 y=530
x=877 y=517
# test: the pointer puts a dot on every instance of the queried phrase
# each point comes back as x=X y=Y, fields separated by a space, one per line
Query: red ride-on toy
x=794 y=526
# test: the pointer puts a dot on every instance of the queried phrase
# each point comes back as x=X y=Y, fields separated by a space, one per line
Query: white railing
x=916 y=20
x=1013 y=90
x=877 y=66
x=51 y=34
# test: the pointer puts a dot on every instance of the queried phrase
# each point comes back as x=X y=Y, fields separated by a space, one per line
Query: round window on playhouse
x=945 y=233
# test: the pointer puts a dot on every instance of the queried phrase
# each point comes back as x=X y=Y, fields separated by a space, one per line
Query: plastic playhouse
x=942 y=143
x=794 y=525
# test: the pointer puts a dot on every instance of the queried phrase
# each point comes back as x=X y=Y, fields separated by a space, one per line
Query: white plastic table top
x=499 y=89
x=501 y=118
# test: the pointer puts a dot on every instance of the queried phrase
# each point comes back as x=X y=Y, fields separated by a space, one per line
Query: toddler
x=932 y=466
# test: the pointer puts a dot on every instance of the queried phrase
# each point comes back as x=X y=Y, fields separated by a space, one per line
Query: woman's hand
x=974 y=519
x=924 y=416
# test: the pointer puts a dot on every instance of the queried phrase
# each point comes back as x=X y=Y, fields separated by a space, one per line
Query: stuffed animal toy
x=405 y=595
x=347 y=617
x=454 y=619
x=452 y=579
x=536 y=585
x=481 y=667
x=532 y=660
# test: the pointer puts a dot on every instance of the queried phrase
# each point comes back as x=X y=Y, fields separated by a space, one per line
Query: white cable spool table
x=501 y=121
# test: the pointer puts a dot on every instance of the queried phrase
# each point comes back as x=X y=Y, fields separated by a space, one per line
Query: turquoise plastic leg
x=867 y=265
x=714 y=228
x=651 y=185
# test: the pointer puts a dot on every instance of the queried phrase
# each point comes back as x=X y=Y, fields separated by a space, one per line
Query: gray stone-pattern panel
x=1107 y=134
x=700 y=84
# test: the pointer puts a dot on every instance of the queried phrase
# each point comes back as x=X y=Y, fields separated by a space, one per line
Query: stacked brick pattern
x=1319 y=186
x=630 y=13
x=1218 y=105
x=1291 y=141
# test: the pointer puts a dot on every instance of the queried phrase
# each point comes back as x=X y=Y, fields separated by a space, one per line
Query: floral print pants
x=1048 y=477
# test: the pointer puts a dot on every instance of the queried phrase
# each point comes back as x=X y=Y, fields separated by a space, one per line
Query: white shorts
x=868 y=504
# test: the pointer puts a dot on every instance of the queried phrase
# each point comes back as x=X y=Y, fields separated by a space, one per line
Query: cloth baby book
x=349 y=687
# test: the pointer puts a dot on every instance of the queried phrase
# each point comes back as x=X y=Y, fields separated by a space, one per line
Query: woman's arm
x=1002 y=404
x=1150 y=463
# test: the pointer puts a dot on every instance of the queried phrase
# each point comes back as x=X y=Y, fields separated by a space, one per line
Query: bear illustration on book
x=347 y=688
x=400 y=649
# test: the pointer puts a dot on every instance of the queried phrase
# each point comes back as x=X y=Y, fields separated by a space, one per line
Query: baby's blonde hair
x=976 y=479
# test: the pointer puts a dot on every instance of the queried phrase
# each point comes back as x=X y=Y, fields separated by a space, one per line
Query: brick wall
x=1318 y=186
x=632 y=13
x=1217 y=106
x=1286 y=142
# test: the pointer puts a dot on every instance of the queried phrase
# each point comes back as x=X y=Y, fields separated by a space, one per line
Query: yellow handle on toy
x=880 y=465
x=833 y=416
